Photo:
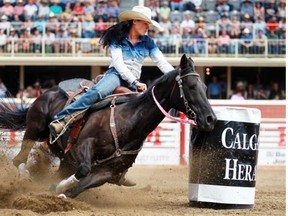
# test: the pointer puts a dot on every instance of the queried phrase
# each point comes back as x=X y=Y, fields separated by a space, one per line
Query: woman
x=129 y=47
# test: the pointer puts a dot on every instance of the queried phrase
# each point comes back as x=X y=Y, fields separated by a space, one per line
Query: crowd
x=189 y=28
x=242 y=90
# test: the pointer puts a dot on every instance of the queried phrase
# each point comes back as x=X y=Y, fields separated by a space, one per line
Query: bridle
x=189 y=111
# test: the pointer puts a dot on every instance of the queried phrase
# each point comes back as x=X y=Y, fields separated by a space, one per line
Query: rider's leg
x=104 y=87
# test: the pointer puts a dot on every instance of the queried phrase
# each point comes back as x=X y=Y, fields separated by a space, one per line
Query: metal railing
x=198 y=48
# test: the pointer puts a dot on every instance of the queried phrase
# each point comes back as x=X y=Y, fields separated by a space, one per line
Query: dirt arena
x=159 y=191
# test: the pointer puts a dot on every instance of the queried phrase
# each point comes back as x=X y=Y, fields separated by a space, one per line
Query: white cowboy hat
x=139 y=13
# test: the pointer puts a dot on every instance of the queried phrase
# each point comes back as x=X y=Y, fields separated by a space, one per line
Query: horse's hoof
x=63 y=196
x=128 y=183
x=23 y=172
x=53 y=187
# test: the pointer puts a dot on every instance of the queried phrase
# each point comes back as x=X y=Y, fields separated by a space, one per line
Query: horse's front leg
x=96 y=178
x=84 y=154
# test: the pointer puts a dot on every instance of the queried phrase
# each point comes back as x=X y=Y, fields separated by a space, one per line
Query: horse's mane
x=166 y=78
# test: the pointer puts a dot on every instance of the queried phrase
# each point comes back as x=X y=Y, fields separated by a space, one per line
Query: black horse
x=104 y=150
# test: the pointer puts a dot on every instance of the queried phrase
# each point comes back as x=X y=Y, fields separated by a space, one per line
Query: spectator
x=247 y=8
x=162 y=41
x=270 y=10
x=250 y=92
x=3 y=89
x=259 y=42
x=53 y=23
x=28 y=24
x=246 y=41
x=259 y=10
x=40 y=23
x=273 y=47
x=25 y=39
x=100 y=27
x=261 y=94
x=260 y=24
x=282 y=43
x=30 y=10
x=272 y=25
x=224 y=23
x=188 y=5
x=67 y=9
x=67 y=5
x=49 y=39
x=201 y=23
x=174 y=39
x=164 y=11
x=17 y=25
x=74 y=24
x=166 y=25
x=37 y=89
x=88 y=8
x=224 y=43
x=7 y=10
x=223 y=8
x=36 y=41
x=101 y=11
x=176 y=5
x=88 y=27
x=214 y=89
x=246 y=23
x=12 y=41
x=62 y=41
x=275 y=92
x=187 y=23
x=5 y=24
x=43 y=10
x=19 y=10
x=281 y=11
x=3 y=41
x=199 y=38
x=113 y=10
x=212 y=43
x=235 y=27
x=282 y=24
x=185 y=38
x=55 y=8
x=78 y=9
x=239 y=92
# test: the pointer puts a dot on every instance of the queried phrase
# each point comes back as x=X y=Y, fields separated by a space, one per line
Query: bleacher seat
x=176 y=15
x=236 y=4
x=209 y=5
x=211 y=16
x=192 y=14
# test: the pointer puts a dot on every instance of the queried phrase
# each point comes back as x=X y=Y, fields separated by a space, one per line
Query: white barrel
x=223 y=162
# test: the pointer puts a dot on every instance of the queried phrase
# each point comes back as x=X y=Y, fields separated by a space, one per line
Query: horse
x=111 y=138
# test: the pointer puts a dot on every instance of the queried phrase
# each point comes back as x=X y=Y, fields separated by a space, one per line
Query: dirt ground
x=160 y=190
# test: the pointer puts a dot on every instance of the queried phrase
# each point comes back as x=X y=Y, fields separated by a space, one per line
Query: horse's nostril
x=210 y=119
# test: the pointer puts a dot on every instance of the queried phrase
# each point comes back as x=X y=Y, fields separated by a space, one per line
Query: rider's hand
x=141 y=87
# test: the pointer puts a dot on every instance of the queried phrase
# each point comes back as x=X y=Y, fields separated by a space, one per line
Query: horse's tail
x=13 y=114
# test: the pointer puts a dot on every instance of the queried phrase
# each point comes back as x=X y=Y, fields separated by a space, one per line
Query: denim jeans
x=103 y=88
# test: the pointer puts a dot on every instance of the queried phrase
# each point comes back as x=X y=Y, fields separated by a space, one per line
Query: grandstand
x=55 y=33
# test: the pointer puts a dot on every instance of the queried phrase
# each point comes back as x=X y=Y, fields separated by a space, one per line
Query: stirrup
x=53 y=133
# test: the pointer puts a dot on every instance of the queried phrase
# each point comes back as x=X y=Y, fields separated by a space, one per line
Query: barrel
x=223 y=162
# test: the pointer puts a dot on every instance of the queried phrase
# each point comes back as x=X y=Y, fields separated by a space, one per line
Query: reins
x=189 y=111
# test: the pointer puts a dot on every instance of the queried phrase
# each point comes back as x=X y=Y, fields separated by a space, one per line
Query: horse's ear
x=184 y=60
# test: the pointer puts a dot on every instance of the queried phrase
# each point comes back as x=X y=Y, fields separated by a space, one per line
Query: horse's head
x=193 y=100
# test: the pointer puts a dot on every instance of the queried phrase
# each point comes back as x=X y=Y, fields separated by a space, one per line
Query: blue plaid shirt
x=128 y=59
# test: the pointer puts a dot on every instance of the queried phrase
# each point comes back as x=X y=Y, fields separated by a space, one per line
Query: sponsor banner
x=272 y=157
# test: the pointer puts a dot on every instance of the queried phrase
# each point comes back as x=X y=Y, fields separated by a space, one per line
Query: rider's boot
x=59 y=126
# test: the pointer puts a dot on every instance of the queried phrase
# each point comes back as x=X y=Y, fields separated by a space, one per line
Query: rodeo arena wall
x=169 y=143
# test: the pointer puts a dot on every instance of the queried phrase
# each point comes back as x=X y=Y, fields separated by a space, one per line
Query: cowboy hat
x=139 y=13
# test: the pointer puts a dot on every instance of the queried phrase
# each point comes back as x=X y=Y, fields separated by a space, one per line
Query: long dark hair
x=116 y=33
